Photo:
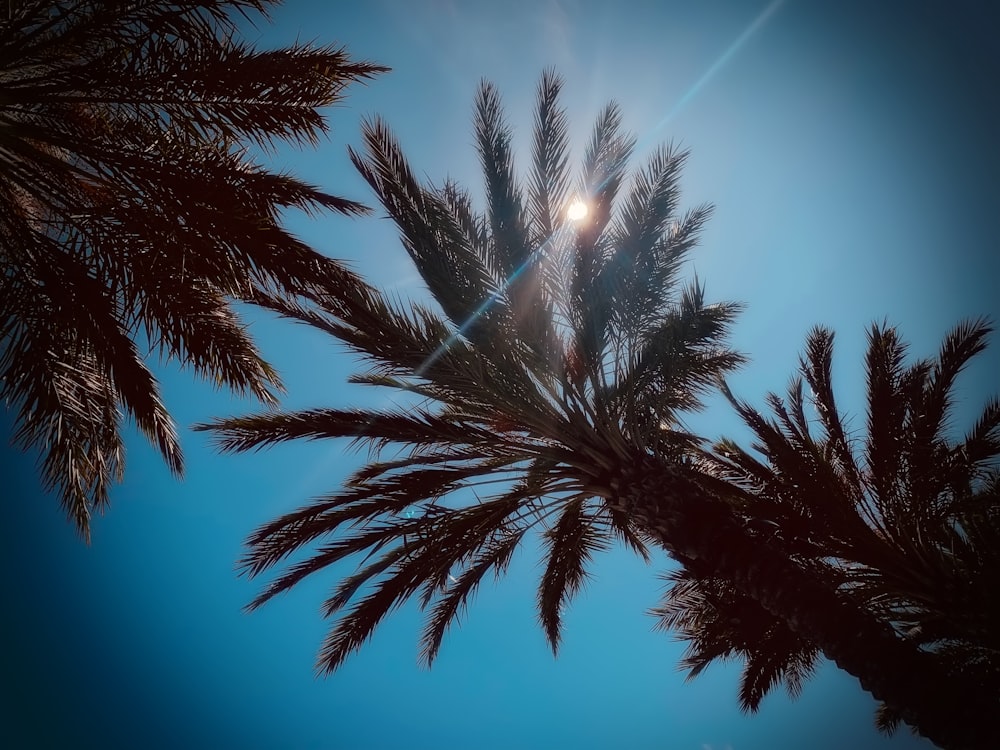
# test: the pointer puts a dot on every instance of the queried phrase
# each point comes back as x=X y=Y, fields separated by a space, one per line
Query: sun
x=577 y=210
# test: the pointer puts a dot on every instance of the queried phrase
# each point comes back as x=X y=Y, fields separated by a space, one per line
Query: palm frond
x=720 y=624
x=549 y=183
x=447 y=254
x=895 y=526
x=410 y=427
x=569 y=545
x=588 y=307
x=817 y=368
x=443 y=541
x=650 y=240
x=508 y=229
x=930 y=417
x=981 y=443
x=678 y=358
x=496 y=555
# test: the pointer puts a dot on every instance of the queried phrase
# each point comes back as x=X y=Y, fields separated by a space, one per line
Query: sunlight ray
x=727 y=55
x=460 y=331
x=718 y=64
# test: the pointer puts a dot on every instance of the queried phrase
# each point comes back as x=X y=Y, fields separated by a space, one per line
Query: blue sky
x=849 y=151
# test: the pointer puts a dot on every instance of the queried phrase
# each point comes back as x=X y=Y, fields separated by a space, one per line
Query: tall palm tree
x=545 y=385
x=908 y=519
x=132 y=216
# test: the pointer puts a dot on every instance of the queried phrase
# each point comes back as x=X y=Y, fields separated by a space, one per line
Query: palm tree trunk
x=692 y=524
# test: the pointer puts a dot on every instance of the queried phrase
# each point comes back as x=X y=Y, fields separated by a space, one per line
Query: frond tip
x=569 y=545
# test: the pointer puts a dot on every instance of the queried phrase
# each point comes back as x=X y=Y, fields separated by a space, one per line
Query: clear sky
x=850 y=152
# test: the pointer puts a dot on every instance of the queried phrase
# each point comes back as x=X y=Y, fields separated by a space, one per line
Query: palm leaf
x=569 y=545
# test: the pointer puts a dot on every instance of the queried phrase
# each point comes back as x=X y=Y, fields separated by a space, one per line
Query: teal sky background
x=850 y=151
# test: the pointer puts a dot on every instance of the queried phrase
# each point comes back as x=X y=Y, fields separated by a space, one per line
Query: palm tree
x=908 y=520
x=132 y=216
x=551 y=372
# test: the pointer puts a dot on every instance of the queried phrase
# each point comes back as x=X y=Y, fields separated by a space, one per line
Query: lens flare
x=577 y=210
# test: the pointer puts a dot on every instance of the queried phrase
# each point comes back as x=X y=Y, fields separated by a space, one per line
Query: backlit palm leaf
x=719 y=623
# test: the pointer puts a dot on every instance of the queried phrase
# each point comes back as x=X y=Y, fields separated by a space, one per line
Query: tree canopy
x=544 y=385
x=134 y=212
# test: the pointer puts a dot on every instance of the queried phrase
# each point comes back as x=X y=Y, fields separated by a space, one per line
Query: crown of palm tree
x=907 y=520
x=131 y=215
x=551 y=346
x=551 y=367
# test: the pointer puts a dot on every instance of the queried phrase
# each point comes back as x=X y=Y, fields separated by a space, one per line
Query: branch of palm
x=133 y=216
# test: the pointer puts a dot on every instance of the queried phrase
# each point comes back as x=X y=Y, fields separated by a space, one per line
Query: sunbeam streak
x=719 y=63
x=578 y=209
x=535 y=255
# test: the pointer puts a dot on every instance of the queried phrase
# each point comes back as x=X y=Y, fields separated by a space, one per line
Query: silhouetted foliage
x=548 y=339
x=132 y=215
x=542 y=389
x=907 y=518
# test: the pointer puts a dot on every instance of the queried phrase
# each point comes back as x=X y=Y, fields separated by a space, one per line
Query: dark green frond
x=887 y=719
x=678 y=359
x=624 y=531
x=569 y=546
x=887 y=410
x=796 y=402
x=360 y=622
x=718 y=623
x=508 y=228
x=436 y=543
x=517 y=256
x=964 y=342
x=982 y=443
x=413 y=427
x=906 y=532
x=447 y=258
x=588 y=307
x=549 y=184
x=929 y=418
x=649 y=241
x=495 y=555
x=816 y=366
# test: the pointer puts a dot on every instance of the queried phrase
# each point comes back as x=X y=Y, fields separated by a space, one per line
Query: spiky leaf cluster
x=549 y=349
x=908 y=516
x=719 y=623
x=132 y=216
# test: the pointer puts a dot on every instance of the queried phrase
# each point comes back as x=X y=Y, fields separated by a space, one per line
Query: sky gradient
x=850 y=154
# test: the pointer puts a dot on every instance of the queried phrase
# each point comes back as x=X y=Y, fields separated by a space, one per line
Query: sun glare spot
x=577 y=210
